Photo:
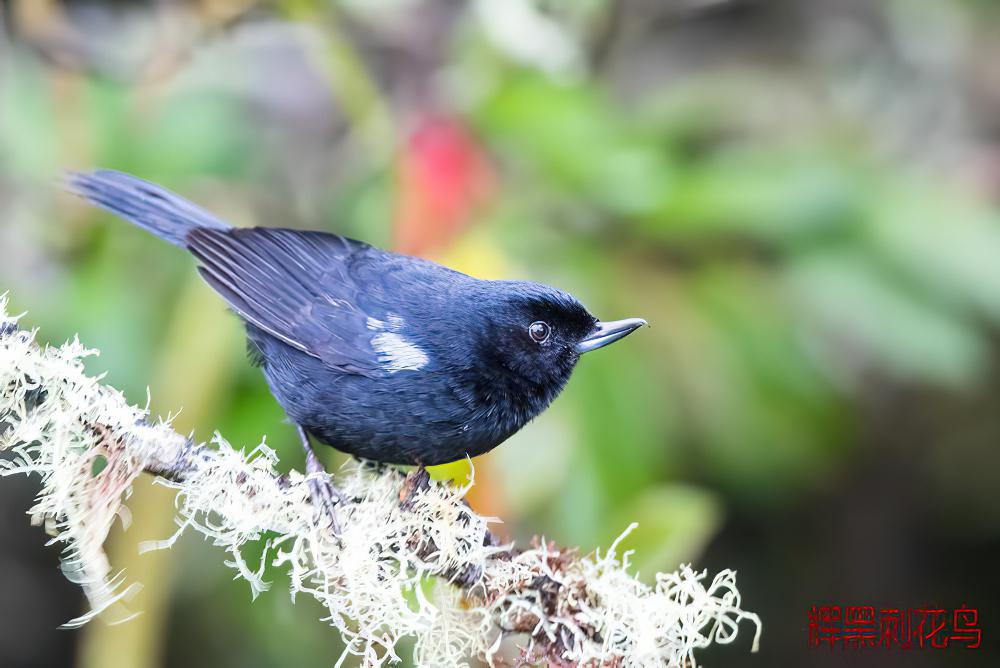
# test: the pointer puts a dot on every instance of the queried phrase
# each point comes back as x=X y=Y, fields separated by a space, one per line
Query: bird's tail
x=155 y=209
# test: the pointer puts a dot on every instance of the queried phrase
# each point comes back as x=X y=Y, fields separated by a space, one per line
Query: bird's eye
x=539 y=331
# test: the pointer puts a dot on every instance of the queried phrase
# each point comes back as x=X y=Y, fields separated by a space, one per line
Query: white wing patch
x=397 y=354
x=394 y=352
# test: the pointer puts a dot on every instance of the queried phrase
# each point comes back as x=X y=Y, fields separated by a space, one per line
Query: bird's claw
x=417 y=481
x=325 y=498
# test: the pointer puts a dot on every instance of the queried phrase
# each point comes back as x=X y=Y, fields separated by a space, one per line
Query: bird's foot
x=325 y=498
x=325 y=495
x=416 y=481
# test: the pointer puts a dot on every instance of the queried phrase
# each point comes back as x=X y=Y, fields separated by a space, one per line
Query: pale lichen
x=412 y=560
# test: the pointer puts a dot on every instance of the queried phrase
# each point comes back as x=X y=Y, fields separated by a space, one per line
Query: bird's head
x=534 y=336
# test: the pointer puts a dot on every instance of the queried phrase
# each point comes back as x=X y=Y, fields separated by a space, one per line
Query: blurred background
x=801 y=196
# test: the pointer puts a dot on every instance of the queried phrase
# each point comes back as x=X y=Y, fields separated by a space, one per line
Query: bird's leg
x=422 y=476
x=324 y=495
x=417 y=481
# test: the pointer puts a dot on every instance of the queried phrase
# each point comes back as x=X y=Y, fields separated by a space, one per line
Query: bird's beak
x=608 y=332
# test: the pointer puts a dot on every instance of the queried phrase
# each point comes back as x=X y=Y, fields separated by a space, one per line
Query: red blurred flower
x=444 y=179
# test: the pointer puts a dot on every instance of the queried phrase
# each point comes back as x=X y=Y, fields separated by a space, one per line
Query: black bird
x=390 y=358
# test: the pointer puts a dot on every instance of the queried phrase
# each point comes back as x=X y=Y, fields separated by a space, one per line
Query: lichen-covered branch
x=411 y=560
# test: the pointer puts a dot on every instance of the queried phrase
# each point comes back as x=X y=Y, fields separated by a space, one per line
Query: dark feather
x=299 y=287
x=254 y=354
x=145 y=204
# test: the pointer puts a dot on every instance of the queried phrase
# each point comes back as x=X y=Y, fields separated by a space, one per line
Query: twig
x=565 y=608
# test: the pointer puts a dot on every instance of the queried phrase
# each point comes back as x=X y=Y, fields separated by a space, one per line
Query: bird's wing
x=314 y=291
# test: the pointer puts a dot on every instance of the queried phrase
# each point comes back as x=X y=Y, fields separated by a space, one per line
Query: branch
x=88 y=445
